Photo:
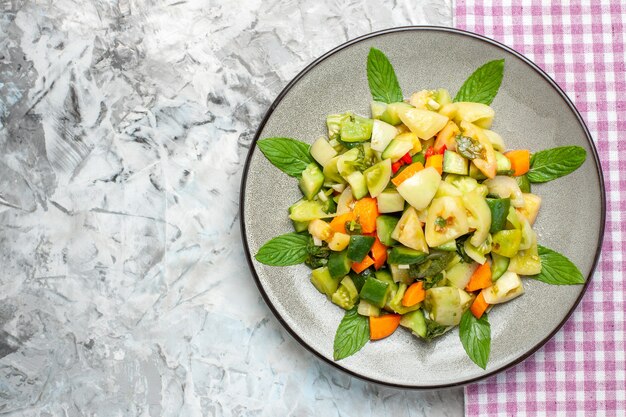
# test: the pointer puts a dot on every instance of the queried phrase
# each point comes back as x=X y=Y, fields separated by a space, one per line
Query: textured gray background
x=123 y=128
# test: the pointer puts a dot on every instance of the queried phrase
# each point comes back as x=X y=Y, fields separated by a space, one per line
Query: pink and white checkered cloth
x=582 y=370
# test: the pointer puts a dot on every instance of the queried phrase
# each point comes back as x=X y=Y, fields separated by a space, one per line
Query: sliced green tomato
x=445 y=305
x=504 y=289
x=446 y=220
x=512 y=220
x=472 y=112
x=359 y=247
x=463 y=183
x=324 y=283
x=400 y=255
x=390 y=201
x=382 y=134
x=339 y=264
x=506 y=187
x=447 y=190
x=424 y=123
x=526 y=262
x=345 y=201
x=400 y=274
x=499 y=208
x=503 y=163
x=495 y=139
x=396 y=302
x=474 y=253
x=367 y=309
x=311 y=181
x=346 y=295
x=506 y=242
x=415 y=322
x=385 y=226
x=454 y=163
x=480 y=217
x=375 y=292
x=530 y=210
x=377 y=177
x=529 y=237
x=459 y=274
x=358 y=184
x=356 y=129
x=322 y=151
x=487 y=164
x=409 y=231
x=307 y=210
x=499 y=265
x=442 y=96
x=331 y=172
x=524 y=183
x=419 y=189
x=300 y=226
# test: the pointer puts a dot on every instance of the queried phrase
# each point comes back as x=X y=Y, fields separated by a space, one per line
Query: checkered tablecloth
x=581 y=371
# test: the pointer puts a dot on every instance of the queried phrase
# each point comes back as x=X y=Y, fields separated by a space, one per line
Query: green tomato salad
x=417 y=215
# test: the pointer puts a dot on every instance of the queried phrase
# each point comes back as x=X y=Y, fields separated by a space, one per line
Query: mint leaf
x=556 y=269
x=284 y=250
x=382 y=78
x=483 y=85
x=289 y=155
x=550 y=164
x=476 y=338
x=352 y=334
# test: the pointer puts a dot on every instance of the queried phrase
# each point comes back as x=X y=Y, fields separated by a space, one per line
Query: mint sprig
x=382 y=78
x=289 y=155
x=352 y=334
x=484 y=83
x=475 y=337
x=556 y=269
x=284 y=250
x=550 y=164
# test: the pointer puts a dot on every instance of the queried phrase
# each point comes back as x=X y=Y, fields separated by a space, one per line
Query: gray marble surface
x=123 y=128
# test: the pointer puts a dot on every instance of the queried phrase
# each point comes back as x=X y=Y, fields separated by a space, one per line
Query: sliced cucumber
x=499 y=265
x=322 y=151
x=378 y=109
x=333 y=123
x=356 y=129
x=311 y=181
x=459 y=274
x=391 y=114
x=415 y=322
x=454 y=163
x=384 y=228
x=375 y=292
x=307 y=210
x=359 y=247
x=358 y=184
x=401 y=255
x=339 y=264
x=444 y=304
x=377 y=177
x=397 y=148
x=345 y=162
x=399 y=274
x=382 y=134
x=367 y=309
x=390 y=201
x=476 y=173
x=323 y=281
x=503 y=164
x=448 y=246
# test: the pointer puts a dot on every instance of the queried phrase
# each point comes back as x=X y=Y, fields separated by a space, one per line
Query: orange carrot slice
x=366 y=210
x=481 y=278
x=383 y=326
x=414 y=294
x=520 y=161
x=407 y=173
x=338 y=224
x=359 y=267
x=379 y=254
x=479 y=306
